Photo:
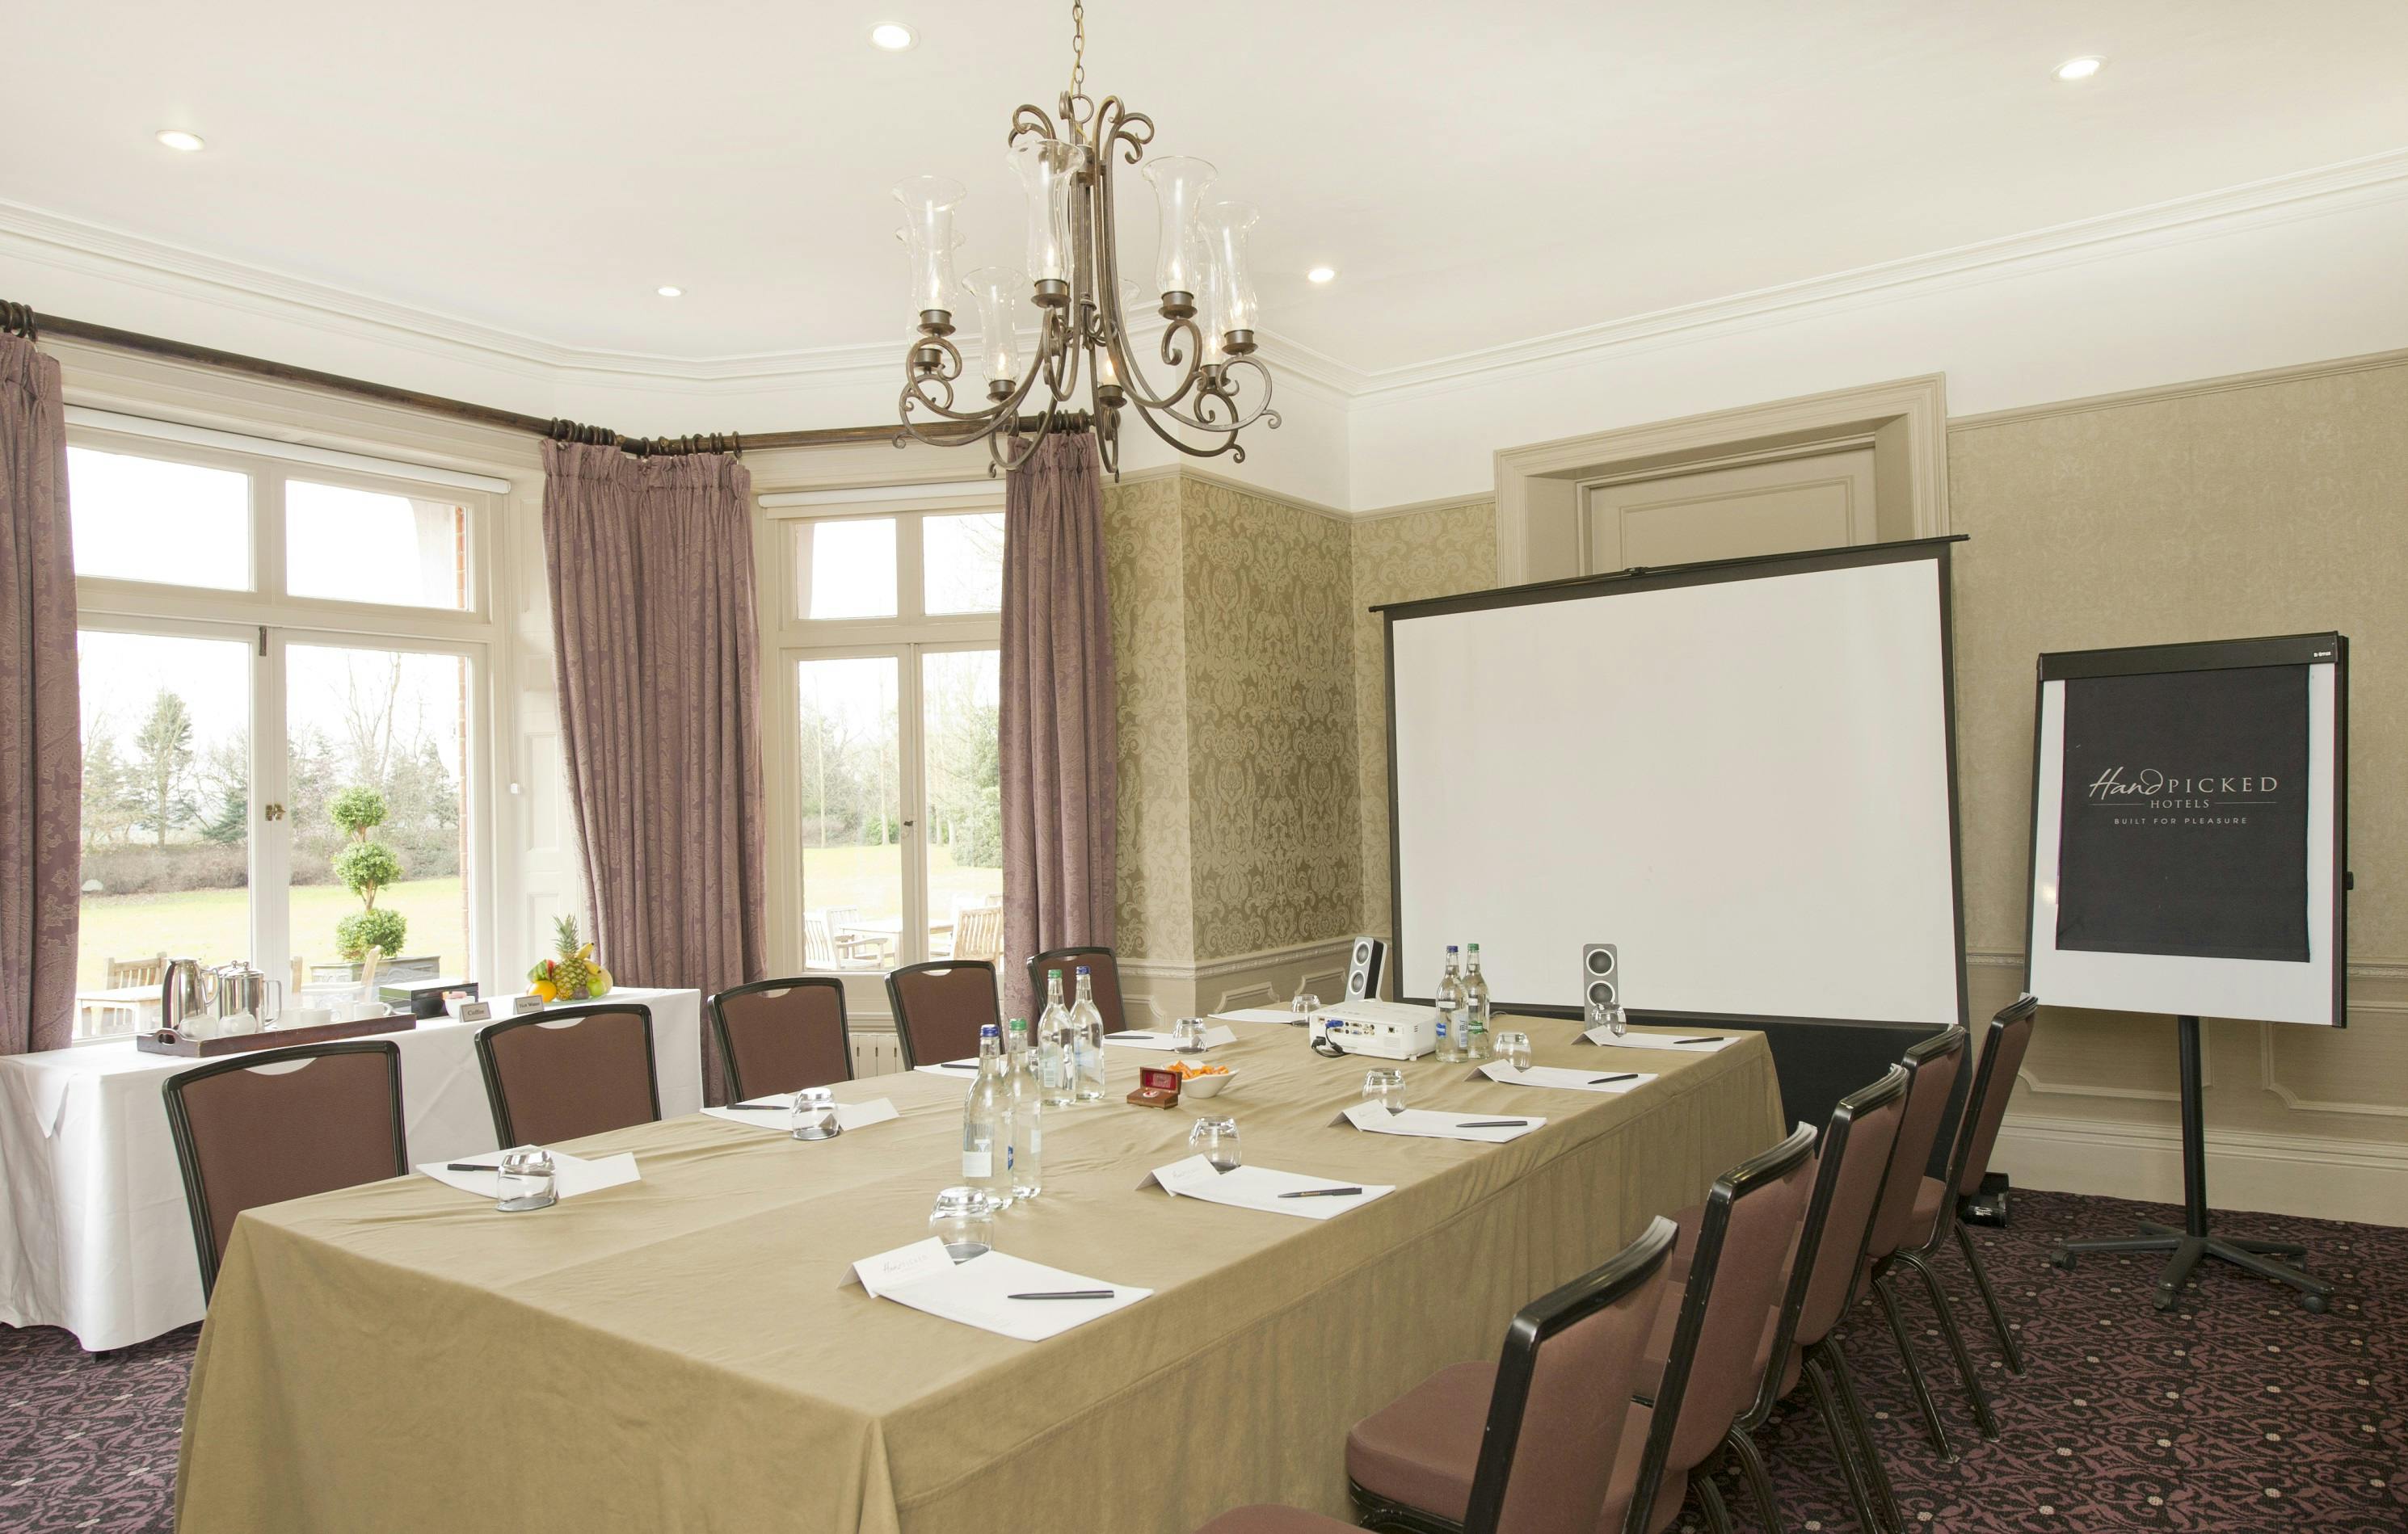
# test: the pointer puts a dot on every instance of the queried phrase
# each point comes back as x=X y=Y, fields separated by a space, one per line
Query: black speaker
x=1364 y=963
x=1600 y=975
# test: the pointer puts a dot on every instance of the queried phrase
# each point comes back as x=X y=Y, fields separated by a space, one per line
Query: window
x=283 y=685
x=891 y=646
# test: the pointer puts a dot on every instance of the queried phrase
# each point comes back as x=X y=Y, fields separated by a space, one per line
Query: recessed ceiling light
x=894 y=36
x=1321 y=273
x=2079 y=69
x=669 y=290
x=178 y=139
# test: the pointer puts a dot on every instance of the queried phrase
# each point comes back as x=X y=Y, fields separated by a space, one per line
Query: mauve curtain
x=41 y=757
x=1060 y=762
x=650 y=567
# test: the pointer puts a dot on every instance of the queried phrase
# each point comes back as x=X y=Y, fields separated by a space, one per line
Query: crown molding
x=70 y=243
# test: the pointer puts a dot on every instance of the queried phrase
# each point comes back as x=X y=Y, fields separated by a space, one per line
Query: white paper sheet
x=574 y=1175
x=1257 y=1014
x=951 y=1068
x=1663 y=1041
x=1156 y=1039
x=976 y=1293
x=850 y=1116
x=1431 y=1124
x=1259 y=1188
x=1573 y=1081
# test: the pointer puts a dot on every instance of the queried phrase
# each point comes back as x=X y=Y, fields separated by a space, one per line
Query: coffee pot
x=187 y=994
x=245 y=993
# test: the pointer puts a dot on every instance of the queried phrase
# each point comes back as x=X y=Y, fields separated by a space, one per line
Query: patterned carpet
x=2237 y=1412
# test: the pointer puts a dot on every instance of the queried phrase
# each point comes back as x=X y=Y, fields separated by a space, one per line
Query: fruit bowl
x=1199 y=1080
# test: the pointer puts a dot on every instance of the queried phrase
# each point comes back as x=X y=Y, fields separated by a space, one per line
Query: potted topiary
x=365 y=866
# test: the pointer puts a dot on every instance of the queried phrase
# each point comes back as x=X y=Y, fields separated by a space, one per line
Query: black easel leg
x=2187 y=1246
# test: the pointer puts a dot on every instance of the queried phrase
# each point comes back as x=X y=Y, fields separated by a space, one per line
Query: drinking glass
x=1300 y=1011
x=1187 y=1035
x=1216 y=1140
x=1609 y=1016
x=963 y=1220
x=815 y=1116
x=527 y=1180
x=1515 y=1049
x=1385 y=1086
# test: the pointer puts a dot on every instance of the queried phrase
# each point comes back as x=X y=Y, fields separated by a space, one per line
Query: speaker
x=1364 y=963
x=1600 y=975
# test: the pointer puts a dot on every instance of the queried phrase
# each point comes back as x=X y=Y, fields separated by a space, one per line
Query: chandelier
x=1216 y=386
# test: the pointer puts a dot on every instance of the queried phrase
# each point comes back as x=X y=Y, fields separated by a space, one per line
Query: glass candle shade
x=1225 y=226
x=998 y=293
x=1179 y=183
x=928 y=239
x=1046 y=168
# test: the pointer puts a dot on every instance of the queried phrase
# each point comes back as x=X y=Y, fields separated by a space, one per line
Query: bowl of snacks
x=1199 y=1080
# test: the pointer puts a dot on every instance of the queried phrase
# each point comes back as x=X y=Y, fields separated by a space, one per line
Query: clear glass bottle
x=1088 y=1028
x=1057 y=1050
x=986 y=1123
x=1451 y=1002
x=1025 y=1166
x=1475 y=1006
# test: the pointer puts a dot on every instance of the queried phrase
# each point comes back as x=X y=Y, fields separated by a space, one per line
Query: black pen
x=1136 y=1033
x=1599 y=1081
x=1321 y=1192
x=955 y=1065
x=761 y=1107
x=1713 y=1039
x=1497 y=1124
x=1067 y=1294
x=472 y=1166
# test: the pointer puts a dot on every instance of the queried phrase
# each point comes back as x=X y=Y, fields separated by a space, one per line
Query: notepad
x=1156 y=1039
x=958 y=1070
x=1662 y=1040
x=1259 y=1189
x=1556 y=1075
x=977 y=1293
x=1432 y=1123
x=1258 y=1014
x=573 y=1175
x=849 y=1115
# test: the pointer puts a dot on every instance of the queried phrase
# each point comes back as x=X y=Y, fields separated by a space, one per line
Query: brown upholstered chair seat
x=1931 y=1198
x=1275 y=1520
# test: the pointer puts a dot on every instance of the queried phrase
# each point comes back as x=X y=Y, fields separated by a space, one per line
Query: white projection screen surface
x=1740 y=776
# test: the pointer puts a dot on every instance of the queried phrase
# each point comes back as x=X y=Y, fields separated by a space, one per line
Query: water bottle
x=1087 y=1030
x=1451 y=1004
x=1024 y=1168
x=986 y=1124
x=1057 y=1050
x=1475 y=1007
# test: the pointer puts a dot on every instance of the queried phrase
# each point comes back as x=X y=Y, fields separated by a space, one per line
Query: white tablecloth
x=94 y=1234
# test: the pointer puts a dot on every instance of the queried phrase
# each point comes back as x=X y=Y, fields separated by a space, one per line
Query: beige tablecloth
x=682 y=1353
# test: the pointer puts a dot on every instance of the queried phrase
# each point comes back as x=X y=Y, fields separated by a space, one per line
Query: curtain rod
x=20 y=320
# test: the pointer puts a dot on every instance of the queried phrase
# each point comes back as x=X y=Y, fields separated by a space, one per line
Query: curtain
x=1059 y=731
x=649 y=562
x=41 y=756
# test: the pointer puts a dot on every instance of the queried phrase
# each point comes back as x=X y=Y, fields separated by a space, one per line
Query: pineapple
x=572 y=972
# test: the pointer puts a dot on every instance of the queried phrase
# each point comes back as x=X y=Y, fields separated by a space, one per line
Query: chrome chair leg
x=1841 y=1434
x=1876 y=1469
x=1718 y=1517
x=1989 y=1298
x=1956 y=1339
x=1930 y=1409
x=1750 y=1455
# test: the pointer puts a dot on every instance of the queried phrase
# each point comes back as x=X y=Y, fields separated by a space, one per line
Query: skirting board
x=2314 y=1175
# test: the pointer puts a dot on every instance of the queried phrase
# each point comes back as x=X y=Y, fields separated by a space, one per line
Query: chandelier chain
x=1077 y=46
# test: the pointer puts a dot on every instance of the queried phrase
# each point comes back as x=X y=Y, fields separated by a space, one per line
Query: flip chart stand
x=2192 y=1242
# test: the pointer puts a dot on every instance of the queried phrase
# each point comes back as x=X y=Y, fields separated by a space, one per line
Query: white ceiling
x=1478 y=175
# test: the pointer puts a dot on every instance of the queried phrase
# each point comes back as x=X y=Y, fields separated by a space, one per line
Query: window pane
x=361 y=545
x=166 y=818
x=963 y=562
x=846 y=569
x=851 y=814
x=142 y=518
x=391 y=722
x=960 y=699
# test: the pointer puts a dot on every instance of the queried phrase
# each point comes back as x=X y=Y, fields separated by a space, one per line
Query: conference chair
x=566 y=1072
x=262 y=1127
x=1850 y=1164
x=1977 y=1135
x=1931 y=1068
x=1103 y=972
x=1409 y=1464
x=783 y=1035
x=940 y=1008
x=1569 y=1362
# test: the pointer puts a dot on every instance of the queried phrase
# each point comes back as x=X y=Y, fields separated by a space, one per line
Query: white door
x=1820 y=501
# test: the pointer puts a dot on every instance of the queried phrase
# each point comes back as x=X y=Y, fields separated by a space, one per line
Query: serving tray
x=274 y=1038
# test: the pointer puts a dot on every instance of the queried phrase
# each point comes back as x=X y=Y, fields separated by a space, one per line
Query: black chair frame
x=1516 y=1368
x=1064 y=960
x=1952 y=1214
x=1949 y=1041
x=829 y=983
x=492 y=1069
x=895 y=999
x=179 y=1125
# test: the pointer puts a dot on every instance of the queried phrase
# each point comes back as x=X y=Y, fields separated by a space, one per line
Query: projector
x=1382 y=1030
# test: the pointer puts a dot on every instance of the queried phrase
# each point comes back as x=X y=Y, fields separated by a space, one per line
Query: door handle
x=273 y=812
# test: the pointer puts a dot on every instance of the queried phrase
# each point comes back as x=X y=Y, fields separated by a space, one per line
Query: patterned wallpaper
x=1145 y=564
x=1432 y=553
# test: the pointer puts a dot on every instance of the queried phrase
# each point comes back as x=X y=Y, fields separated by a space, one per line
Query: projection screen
x=1742 y=774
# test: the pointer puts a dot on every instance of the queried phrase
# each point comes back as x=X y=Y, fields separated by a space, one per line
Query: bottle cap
x=1019 y=1025
x=1082 y=968
x=988 y=1030
x=1452 y=948
x=1053 y=975
x=1473 y=946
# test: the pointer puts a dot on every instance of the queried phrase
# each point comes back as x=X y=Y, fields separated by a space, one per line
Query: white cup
x=238 y=1025
x=306 y=1017
x=361 y=1011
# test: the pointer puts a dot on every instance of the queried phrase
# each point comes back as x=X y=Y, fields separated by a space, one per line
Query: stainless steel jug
x=186 y=991
x=243 y=991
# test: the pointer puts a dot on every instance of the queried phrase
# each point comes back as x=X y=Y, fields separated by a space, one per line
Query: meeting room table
x=94 y=1233
x=689 y=1351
